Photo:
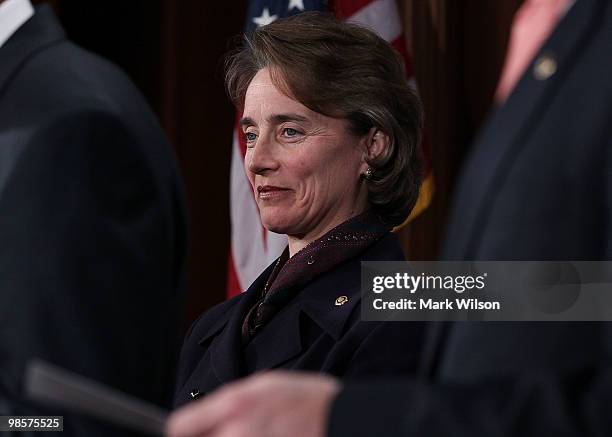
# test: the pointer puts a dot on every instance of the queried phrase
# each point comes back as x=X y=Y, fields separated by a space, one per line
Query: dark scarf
x=290 y=275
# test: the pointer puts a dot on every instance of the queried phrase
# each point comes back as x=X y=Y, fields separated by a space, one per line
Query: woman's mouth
x=270 y=192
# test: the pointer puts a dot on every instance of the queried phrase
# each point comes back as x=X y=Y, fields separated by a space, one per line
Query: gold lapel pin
x=544 y=67
x=341 y=300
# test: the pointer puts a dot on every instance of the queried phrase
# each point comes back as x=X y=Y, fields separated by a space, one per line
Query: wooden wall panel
x=458 y=49
x=199 y=119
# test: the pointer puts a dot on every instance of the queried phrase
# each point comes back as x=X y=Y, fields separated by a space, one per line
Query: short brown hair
x=343 y=70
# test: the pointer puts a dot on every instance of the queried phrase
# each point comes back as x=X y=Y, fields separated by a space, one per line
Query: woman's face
x=304 y=167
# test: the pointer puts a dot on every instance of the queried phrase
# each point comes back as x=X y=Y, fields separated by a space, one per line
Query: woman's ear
x=376 y=143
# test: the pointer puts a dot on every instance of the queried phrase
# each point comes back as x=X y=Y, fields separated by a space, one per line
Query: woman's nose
x=262 y=157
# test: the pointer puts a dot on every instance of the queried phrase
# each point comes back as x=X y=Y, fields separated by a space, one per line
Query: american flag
x=253 y=248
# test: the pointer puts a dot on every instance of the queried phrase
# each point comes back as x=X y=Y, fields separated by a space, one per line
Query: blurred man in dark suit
x=92 y=232
x=536 y=186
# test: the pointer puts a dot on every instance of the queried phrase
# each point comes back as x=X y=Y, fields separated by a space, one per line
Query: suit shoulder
x=66 y=76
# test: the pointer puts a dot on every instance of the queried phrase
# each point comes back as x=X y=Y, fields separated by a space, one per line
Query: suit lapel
x=39 y=32
x=505 y=134
x=226 y=350
x=280 y=340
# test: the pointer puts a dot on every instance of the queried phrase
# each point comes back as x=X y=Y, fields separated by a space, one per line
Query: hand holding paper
x=272 y=404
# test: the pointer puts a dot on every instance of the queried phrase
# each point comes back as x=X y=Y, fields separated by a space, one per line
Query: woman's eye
x=290 y=132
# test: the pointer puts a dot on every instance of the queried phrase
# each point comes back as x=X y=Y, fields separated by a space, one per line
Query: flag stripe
x=382 y=17
x=233 y=285
x=344 y=9
x=399 y=44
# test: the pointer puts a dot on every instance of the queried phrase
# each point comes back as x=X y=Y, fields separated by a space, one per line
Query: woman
x=332 y=132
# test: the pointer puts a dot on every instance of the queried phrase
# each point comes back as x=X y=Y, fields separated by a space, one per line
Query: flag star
x=265 y=18
x=296 y=4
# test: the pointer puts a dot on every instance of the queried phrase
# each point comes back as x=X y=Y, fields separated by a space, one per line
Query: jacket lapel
x=226 y=353
x=281 y=339
x=327 y=302
x=40 y=31
x=505 y=134
x=277 y=342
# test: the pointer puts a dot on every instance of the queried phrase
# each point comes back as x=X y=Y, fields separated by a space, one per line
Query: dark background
x=173 y=50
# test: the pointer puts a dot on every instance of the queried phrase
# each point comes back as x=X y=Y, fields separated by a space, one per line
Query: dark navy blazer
x=537 y=185
x=311 y=333
x=92 y=229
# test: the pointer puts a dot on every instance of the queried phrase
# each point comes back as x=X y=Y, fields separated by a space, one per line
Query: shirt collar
x=13 y=13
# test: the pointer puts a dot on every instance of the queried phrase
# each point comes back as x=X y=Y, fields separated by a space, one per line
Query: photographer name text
x=436 y=285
